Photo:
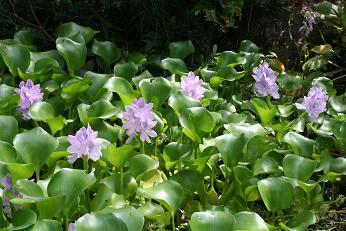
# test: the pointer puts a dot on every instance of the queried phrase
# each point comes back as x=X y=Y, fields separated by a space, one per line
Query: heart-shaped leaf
x=174 y=65
x=41 y=111
x=181 y=49
x=35 y=147
x=276 y=192
x=300 y=144
x=231 y=148
x=141 y=164
x=15 y=57
x=298 y=167
x=125 y=70
x=100 y=221
x=108 y=51
x=155 y=90
x=249 y=221
x=8 y=128
x=70 y=29
x=212 y=220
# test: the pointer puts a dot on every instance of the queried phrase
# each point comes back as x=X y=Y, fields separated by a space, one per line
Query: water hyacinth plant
x=174 y=150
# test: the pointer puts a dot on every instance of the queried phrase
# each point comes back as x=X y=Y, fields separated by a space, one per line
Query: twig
x=39 y=23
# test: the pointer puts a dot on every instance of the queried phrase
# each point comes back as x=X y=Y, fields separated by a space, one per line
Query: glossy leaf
x=8 y=153
x=265 y=165
x=298 y=167
x=29 y=189
x=212 y=220
x=73 y=88
x=276 y=193
x=24 y=218
x=131 y=217
x=265 y=113
x=8 y=128
x=100 y=221
x=20 y=171
x=50 y=207
x=197 y=119
x=140 y=164
x=108 y=51
x=174 y=65
x=45 y=224
x=180 y=102
x=169 y=193
x=181 y=49
x=249 y=221
x=155 y=90
x=70 y=29
x=101 y=109
x=15 y=57
x=231 y=148
x=125 y=70
x=35 y=146
x=290 y=82
x=300 y=144
x=230 y=59
x=122 y=87
x=248 y=46
x=41 y=111
x=73 y=52
x=118 y=155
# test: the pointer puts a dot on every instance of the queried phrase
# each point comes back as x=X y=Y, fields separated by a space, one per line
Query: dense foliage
x=94 y=137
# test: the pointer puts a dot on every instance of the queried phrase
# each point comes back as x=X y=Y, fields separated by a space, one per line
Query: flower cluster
x=29 y=94
x=265 y=78
x=6 y=183
x=85 y=142
x=309 y=21
x=315 y=103
x=191 y=86
x=139 y=120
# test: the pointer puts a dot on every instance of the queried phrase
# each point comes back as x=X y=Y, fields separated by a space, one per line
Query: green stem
x=35 y=123
x=142 y=149
x=85 y=163
x=173 y=222
x=121 y=180
x=37 y=173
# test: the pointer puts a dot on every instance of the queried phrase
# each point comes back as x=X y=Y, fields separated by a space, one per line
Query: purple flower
x=315 y=103
x=309 y=21
x=29 y=94
x=265 y=79
x=85 y=142
x=191 y=86
x=139 y=120
x=72 y=227
x=6 y=182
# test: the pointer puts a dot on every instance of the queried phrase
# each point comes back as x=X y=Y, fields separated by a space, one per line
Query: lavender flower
x=265 y=81
x=6 y=182
x=29 y=94
x=315 y=103
x=72 y=227
x=309 y=21
x=139 y=120
x=191 y=86
x=85 y=142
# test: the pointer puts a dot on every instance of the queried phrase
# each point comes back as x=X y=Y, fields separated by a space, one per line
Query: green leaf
x=8 y=153
x=50 y=207
x=131 y=217
x=96 y=89
x=23 y=218
x=325 y=83
x=259 y=145
x=249 y=130
x=290 y=81
x=248 y=46
x=108 y=51
x=179 y=102
x=174 y=65
x=41 y=111
x=231 y=148
x=70 y=29
x=73 y=88
x=73 y=52
x=24 y=36
x=118 y=155
x=44 y=224
x=102 y=109
x=276 y=192
x=141 y=164
x=190 y=180
x=299 y=144
x=35 y=146
x=302 y=221
x=155 y=90
x=169 y=193
x=15 y=57
x=175 y=151
x=265 y=113
x=100 y=221
x=298 y=167
x=249 y=221
x=315 y=63
x=323 y=49
x=265 y=165
x=20 y=171
x=230 y=59
x=122 y=87
x=212 y=220
x=8 y=128
x=56 y=123
x=181 y=49
x=29 y=189
x=197 y=119
x=126 y=70
x=69 y=182
x=338 y=103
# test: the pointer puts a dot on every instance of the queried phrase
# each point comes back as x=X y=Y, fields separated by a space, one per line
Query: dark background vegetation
x=149 y=25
